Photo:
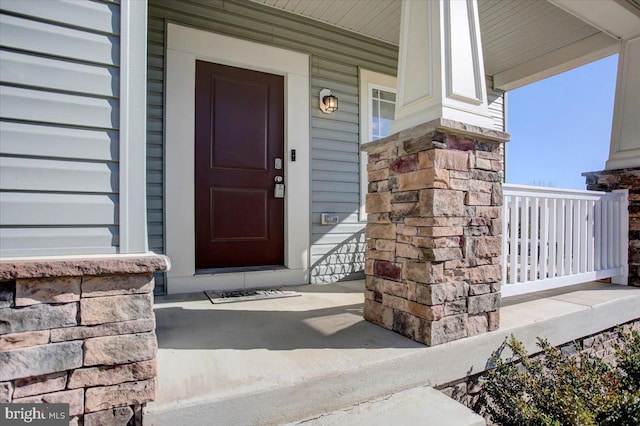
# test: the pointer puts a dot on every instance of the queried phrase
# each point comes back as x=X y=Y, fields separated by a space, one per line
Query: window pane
x=375 y=120
x=387 y=110
x=387 y=96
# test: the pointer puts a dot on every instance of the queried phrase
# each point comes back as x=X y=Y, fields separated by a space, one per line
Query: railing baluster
x=524 y=239
x=506 y=249
x=535 y=240
x=615 y=235
x=575 y=252
x=568 y=246
x=598 y=235
x=583 y=236
x=561 y=237
x=612 y=242
x=590 y=241
x=605 y=235
x=553 y=240
x=579 y=226
x=544 y=237
x=514 y=225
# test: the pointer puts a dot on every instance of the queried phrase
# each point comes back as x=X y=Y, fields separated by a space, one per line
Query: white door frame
x=185 y=46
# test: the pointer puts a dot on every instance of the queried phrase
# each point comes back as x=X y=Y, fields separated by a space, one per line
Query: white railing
x=556 y=237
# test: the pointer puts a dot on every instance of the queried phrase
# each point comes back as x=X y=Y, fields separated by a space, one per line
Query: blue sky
x=561 y=126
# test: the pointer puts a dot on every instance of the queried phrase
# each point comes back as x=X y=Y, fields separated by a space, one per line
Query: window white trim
x=184 y=47
x=133 y=128
x=369 y=80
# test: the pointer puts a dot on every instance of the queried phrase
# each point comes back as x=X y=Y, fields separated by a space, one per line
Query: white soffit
x=517 y=35
x=379 y=19
x=618 y=18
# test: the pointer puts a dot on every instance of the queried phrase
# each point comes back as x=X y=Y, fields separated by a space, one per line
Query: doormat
x=248 y=294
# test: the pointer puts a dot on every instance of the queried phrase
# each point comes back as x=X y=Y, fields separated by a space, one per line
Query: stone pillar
x=80 y=332
x=434 y=229
x=610 y=180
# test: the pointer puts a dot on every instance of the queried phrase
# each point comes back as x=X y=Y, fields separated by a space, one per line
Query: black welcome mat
x=248 y=294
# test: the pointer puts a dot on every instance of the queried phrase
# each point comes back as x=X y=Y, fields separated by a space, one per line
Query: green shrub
x=556 y=388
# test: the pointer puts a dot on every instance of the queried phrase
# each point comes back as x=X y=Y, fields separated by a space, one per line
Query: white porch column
x=440 y=68
x=625 y=133
x=133 y=127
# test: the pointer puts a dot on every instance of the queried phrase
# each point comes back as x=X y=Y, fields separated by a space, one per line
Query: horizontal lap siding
x=337 y=251
x=59 y=113
x=495 y=99
x=155 y=147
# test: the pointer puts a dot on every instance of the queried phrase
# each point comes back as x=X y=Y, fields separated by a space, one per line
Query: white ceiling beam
x=574 y=55
x=613 y=17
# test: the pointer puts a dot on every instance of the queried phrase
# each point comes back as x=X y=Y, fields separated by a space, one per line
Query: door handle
x=278 y=179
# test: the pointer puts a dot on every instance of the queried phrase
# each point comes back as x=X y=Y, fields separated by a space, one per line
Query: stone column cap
x=441 y=124
x=633 y=170
x=58 y=266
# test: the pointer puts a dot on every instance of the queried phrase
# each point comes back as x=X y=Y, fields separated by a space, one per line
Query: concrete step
x=417 y=406
x=317 y=404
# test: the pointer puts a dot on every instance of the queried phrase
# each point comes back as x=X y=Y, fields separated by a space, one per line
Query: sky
x=561 y=126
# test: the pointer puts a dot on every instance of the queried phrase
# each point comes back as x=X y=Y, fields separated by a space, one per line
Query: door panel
x=244 y=117
x=225 y=223
x=239 y=134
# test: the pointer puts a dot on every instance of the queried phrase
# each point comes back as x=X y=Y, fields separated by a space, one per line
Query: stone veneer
x=467 y=391
x=80 y=332
x=433 y=233
x=609 y=180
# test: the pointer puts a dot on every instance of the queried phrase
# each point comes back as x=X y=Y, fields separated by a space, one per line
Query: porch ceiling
x=515 y=33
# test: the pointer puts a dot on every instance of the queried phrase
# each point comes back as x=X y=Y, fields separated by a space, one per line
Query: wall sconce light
x=328 y=102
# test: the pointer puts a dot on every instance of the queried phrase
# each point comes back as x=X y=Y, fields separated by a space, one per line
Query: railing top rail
x=546 y=192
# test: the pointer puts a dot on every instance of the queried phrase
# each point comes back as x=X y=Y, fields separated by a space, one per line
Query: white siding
x=495 y=98
x=514 y=32
x=59 y=113
x=60 y=75
x=56 y=40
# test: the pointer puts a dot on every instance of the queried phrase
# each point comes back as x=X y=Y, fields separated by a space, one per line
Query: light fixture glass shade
x=328 y=101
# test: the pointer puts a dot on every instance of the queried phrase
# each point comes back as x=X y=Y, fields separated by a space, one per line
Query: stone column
x=610 y=180
x=433 y=233
x=80 y=332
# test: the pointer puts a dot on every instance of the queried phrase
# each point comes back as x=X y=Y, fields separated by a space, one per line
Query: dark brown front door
x=239 y=135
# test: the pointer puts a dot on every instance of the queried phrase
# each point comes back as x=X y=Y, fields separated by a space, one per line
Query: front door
x=239 y=141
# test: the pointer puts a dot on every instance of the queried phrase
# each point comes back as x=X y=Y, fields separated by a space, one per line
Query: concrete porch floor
x=282 y=360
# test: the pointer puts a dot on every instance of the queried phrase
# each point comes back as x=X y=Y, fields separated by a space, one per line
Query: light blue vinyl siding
x=59 y=113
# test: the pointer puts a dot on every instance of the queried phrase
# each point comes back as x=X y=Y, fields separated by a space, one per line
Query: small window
x=377 y=111
x=383 y=106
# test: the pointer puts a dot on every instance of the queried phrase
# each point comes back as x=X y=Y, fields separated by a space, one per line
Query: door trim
x=185 y=46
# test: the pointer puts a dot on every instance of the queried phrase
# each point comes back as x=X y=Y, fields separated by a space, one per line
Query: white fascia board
x=133 y=129
x=610 y=16
x=587 y=50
